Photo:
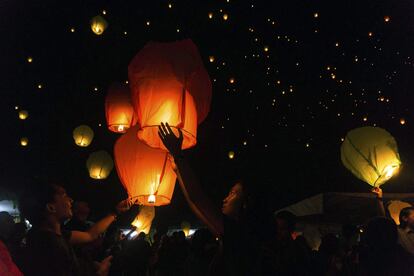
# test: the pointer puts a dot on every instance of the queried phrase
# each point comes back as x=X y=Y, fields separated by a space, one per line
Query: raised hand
x=170 y=141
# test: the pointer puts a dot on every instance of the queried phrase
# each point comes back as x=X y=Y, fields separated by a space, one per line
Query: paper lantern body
x=144 y=219
x=371 y=154
x=145 y=172
x=83 y=135
x=118 y=108
x=394 y=207
x=169 y=84
x=98 y=24
x=99 y=164
x=23 y=114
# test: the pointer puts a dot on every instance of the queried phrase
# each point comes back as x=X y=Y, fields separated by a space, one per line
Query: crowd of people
x=245 y=238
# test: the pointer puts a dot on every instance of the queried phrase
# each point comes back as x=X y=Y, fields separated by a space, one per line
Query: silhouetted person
x=202 y=250
x=328 y=260
x=244 y=223
x=381 y=255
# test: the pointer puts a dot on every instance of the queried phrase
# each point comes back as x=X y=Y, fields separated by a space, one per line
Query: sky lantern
x=98 y=24
x=186 y=226
x=99 y=164
x=144 y=219
x=394 y=208
x=145 y=172
x=371 y=154
x=169 y=84
x=118 y=108
x=83 y=135
x=231 y=154
x=23 y=114
x=24 y=141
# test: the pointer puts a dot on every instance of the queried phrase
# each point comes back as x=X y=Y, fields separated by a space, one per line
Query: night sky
x=290 y=79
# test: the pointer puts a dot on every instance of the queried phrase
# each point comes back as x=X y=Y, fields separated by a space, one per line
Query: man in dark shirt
x=49 y=248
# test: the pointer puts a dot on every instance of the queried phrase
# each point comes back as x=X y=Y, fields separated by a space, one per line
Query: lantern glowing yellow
x=145 y=172
x=23 y=114
x=402 y=121
x=99 y=164
x=371 y=154
x=98 y=25
x=225 y=16
x=144 y=219
x=231 y=154
x=387 y=18
x=83 y=135
x=169 y=84
x=118 y=108
x=394 y=208
x=186 y=226
x=24 y=141
x=211 y=58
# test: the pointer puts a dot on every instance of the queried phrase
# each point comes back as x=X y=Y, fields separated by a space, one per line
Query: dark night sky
x=284 y=115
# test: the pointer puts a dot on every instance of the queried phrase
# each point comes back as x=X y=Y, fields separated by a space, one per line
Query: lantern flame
x=151 y=199
x=121 y=128
x=390 y=170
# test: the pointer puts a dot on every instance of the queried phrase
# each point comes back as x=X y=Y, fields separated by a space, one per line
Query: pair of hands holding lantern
x=196 y=199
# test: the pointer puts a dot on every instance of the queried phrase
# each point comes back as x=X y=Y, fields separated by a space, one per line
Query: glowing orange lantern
x=169 y=84
x=145 y=172
x=118 y=108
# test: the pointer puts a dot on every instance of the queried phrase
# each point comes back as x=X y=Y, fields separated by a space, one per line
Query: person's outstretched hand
x=170 y=141
x=124 y=205
x=377 y=191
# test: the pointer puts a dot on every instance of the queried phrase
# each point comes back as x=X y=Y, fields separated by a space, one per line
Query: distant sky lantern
x=225 y=16
x=118 y=108
x=232 y=80
x=402 y=121
x=231 y=154
x=371 y=154
x=316 y=15
x=144 y=219
x=210 y=15
x=145 y=172
x=23 y=114
x=99 y=164
x=24 y=141
x=29 y=59
x=186 y=226
x=266 y=49
x=387 y=18
x=211 y=58
x=98 y=24
x=83 y=135
x=169 y=84
x=394 y=208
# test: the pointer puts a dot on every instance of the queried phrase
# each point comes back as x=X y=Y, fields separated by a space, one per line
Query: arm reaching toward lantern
x=380 y=204
x=199 y=203
x=79 y=237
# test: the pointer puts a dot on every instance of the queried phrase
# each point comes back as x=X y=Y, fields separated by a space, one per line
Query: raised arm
x=79 y=237
x=380 y=203
x=199 y=203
